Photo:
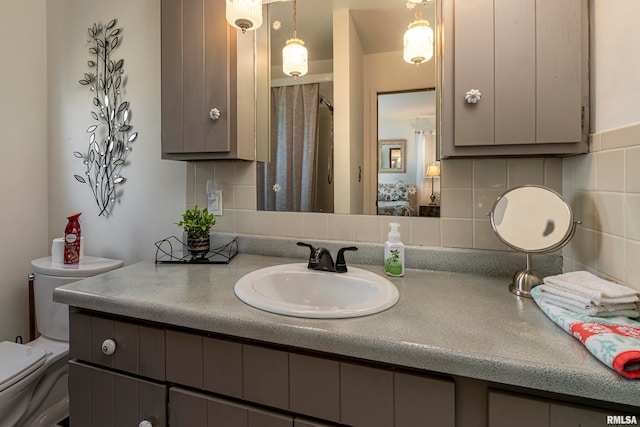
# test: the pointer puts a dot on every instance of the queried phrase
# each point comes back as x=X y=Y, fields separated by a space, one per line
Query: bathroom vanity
x=456 y=350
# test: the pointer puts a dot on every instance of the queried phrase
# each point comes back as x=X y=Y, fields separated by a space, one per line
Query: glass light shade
x=294 y=58
x=244 y=14
x=433 y=170
x=418 y=42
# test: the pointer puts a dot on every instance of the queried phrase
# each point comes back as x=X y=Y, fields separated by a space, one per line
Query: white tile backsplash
x=603 y=188
x=610 y=170
x=470 y=188
x=610 y=209
x=315 y=226
x=632 y=217
x=632 y=264
x=525 y=171
x=632 y=169
x=490 y=173
x=457 y=233
x=425 y=232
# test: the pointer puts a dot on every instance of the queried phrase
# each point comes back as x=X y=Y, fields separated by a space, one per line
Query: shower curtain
x=288 y=181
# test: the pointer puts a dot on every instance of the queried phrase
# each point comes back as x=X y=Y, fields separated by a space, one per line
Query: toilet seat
x=17 y=362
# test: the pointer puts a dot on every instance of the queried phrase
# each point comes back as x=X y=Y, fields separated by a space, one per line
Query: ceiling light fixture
x=294 y=54
x=418 y=39
x=244 y=14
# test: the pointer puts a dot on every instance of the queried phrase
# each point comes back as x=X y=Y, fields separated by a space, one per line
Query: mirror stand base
x=524 y=281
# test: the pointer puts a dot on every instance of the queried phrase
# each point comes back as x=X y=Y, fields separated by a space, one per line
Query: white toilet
x=33 y=376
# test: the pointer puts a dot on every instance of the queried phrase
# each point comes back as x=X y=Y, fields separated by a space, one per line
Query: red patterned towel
x=615 y=341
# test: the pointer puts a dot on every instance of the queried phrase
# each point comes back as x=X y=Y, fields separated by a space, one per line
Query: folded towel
x=585 y=284
x=615 y=341
x=586 y=306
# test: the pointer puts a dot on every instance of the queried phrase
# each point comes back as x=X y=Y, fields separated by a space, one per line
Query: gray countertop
x=452 y=323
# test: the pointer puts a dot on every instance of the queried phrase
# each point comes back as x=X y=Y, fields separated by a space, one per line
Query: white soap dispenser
x=394 y=252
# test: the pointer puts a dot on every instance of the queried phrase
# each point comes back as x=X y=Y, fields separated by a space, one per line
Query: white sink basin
x=294 y=290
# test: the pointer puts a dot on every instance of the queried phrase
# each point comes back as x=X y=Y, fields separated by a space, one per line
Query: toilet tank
x=52 y=318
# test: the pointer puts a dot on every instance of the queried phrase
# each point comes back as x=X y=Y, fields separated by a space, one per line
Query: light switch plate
x=215 y=202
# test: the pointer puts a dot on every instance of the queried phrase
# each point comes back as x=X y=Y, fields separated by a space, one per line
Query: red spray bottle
x=72 y=240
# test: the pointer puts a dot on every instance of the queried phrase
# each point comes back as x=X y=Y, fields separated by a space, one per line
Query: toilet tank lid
x=88 y=266
x=17 y=361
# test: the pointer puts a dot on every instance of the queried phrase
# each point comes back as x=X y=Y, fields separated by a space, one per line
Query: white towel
x=583 y=284
x=609 y=310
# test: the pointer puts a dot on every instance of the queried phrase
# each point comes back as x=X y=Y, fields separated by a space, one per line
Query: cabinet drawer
x=101 y=398
x=137 y=349
x=194 y=409
x=301 y=422
x=206 y=363
x=506 y=409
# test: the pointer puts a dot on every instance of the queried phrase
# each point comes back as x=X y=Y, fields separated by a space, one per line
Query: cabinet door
x=99 y=398
x=529 y=60
x=508 y=410
x=194 y=409
x=314 y=387
x=199 y=74
x=420 y=398
x=581 y=416
x=366 y=396
x=265 y=376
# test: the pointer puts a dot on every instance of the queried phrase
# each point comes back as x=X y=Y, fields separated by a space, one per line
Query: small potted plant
x=197 y=224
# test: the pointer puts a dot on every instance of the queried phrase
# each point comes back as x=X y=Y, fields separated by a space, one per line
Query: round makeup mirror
x=532 y=219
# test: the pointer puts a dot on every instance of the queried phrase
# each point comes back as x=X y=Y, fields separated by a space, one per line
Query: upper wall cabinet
x=199 y=83
x=514 y=77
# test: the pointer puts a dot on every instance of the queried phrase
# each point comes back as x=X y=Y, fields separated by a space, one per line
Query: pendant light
x=418 y=40
x=294 y=54
x=244 y=14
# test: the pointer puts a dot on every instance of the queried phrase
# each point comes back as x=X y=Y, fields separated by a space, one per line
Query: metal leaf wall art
x=110 y=136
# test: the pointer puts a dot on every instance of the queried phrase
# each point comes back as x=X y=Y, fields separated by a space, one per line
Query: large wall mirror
x=321 y=133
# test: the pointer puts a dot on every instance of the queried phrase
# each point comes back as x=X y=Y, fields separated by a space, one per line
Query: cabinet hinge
x=582 y=117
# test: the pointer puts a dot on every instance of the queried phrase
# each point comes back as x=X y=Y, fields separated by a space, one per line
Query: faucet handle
x=311 y=253
x=341 y=264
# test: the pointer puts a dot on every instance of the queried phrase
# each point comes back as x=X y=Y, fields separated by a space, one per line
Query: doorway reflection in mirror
x=404 y=188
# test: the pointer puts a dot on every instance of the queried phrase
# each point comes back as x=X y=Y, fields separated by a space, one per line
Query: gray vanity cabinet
x=208 y=380
x=199 y=74
x=529 y=61
x=213 y=380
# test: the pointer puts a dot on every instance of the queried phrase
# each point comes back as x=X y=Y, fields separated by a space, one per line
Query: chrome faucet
x=320 y=259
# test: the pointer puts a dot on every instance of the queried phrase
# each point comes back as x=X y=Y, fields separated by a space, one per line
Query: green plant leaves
x=197 y=223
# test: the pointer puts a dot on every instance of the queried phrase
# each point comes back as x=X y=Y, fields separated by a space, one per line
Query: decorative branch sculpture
x=110 y=136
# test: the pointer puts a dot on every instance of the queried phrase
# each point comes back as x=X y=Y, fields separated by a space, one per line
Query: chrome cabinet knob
x=108 y=347
x=145 y=423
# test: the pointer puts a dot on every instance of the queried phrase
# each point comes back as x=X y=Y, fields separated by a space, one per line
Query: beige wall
x=348 y=69
x=153 y=196
x=23 y=164
x=604 y=186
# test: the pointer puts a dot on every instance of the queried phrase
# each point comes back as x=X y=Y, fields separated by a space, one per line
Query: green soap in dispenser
x=394 y=252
